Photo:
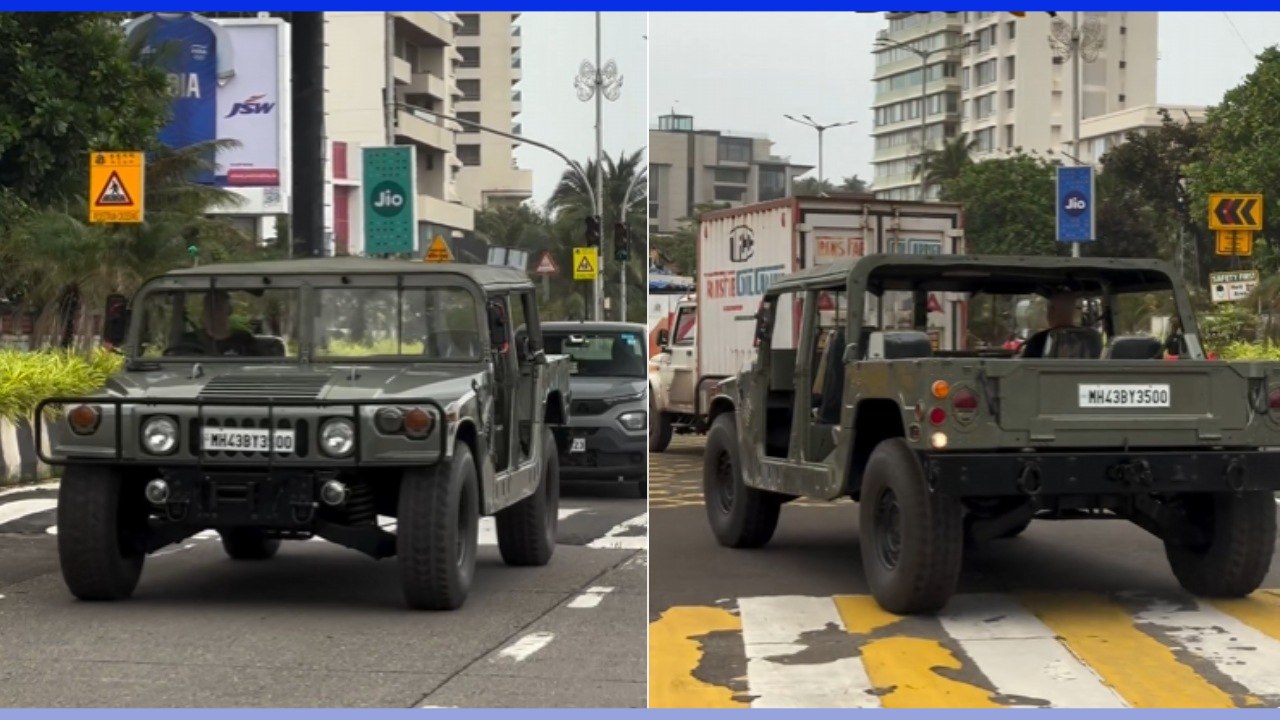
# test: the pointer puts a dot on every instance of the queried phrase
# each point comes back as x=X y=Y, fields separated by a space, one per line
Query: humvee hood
x=261 y=384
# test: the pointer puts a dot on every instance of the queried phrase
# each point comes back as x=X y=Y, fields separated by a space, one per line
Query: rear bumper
x=1102 y=473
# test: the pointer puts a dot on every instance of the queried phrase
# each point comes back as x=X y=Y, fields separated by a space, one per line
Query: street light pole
x=821 y=129
x=924 y=55
x=602 y=83
x=627 y=202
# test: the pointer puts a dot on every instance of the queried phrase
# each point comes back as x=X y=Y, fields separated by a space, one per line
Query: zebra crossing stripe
x=984 y=650
x=916 y=671
x=777 y=629
x=1144 y=671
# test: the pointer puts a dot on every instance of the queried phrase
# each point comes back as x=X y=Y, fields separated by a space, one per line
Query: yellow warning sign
x=115 y=187
x=438 y=252
x=585 y=262
x=1235 y=243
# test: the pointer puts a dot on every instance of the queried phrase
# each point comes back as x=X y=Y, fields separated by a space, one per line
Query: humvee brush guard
x=1094 y=417
x=285 y=400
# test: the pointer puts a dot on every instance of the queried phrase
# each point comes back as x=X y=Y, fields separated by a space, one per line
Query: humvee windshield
x=599 y=354
x=430 y=324
x=224 y=322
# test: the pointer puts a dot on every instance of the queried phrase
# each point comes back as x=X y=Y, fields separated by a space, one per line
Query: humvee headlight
x=389 y=420
x=418 y=423
x=84 y=419
x=160 y=435
x=337 y=437
x=632 y=420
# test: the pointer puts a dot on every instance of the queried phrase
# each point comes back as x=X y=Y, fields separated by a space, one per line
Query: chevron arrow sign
x=1235 y=212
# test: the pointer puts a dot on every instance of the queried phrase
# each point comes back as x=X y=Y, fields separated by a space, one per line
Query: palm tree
x=946 y=163
x=570 y=204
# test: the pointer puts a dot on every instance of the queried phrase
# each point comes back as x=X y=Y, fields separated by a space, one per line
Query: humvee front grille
x=300 y=445
x=266 y=387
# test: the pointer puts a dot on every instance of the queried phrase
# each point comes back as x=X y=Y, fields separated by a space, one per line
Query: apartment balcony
x=433 y=24
x=430 y=84
x=425 y=129
x=439 y=212
x=403 y=71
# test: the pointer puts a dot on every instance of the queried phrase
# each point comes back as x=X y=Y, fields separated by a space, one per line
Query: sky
x=743 y=71
x=554 y=45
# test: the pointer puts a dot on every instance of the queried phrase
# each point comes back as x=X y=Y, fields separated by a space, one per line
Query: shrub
x=1250 y=351
x=26 y=378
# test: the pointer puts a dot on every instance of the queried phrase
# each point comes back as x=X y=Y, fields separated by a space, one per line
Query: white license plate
x=579 y=445
x=1125 y=396
x=246 y=440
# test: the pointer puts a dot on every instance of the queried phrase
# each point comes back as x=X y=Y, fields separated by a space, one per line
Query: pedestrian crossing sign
x=116 y=187
x=439 y=251
x=586 y=262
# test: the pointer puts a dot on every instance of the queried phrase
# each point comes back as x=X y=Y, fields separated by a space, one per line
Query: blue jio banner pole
x=1075 y=195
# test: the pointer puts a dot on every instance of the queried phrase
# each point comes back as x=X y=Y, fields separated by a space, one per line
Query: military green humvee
x=319 y=397
x=1111 y=413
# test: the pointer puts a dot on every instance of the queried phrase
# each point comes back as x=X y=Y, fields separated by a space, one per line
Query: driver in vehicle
x=1060 y=314
x=217 y=336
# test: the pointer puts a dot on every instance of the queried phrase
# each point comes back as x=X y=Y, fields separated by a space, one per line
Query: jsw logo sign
x=251 y=105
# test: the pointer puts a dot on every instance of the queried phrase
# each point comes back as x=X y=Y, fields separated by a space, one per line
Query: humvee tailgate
x=1125 y=403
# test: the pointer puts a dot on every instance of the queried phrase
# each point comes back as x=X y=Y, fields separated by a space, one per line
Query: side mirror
x=498 y=326
x=115 y=320
x=663 y=338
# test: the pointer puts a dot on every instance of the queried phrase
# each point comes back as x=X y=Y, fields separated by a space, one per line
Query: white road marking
x=773 y=626
x=615 y=540
x=28 y=488
x=19 y=509
x=1243 y=654
x=51 y=530
x=1020 y=655
x=521 y=649
x=590 y=597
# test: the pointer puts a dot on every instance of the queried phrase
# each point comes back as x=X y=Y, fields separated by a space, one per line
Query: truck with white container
x=742 y=250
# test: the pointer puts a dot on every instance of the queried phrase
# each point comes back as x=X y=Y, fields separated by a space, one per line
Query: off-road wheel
x=1240 y=531
x=437 y=530
x=642 y=488
x=659 y=429
x=248 y=544
x=101 y=529
x=527 y=530
x=740 y=516
x=911 y=538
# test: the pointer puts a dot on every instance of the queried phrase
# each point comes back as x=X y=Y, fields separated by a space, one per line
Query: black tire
x=99 y=533
x=248 y=544
x=1015 y=531
x=437 y=530
x=659 y=428
x=642 y=488
x=740 y=517
x=1242 y=538
x=911 y=538
x=527 y=530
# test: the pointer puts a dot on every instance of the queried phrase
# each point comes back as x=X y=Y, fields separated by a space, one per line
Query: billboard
x=230 y=81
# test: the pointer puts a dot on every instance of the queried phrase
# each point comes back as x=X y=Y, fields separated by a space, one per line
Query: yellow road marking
x=675 y=653
x=1141 y=669
x=1261 y=611
x=905 y=668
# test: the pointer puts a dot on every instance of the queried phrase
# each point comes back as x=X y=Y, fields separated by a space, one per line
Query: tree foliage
x=1008 y=205
x=71 y=85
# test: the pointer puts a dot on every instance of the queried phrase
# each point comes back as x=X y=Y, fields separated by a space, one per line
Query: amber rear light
x=941 y=389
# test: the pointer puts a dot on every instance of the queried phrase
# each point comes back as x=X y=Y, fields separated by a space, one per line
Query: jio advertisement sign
x=230 y=81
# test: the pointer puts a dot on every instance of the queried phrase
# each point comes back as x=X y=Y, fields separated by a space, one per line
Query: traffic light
x=593 y=230
x=621 y=241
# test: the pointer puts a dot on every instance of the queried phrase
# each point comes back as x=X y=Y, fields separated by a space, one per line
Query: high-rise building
x=488 y=75
x=1005 y=89
x=690 y=167
x=423 y=63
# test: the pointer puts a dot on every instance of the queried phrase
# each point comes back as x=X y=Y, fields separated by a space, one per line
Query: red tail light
x=964 y=401
x=1274 y=400
x=937 y=416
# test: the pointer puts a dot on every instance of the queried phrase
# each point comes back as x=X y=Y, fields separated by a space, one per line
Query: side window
x=686 y=327
x=524 y=324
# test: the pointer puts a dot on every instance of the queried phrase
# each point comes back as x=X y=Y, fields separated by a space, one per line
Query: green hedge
x=1249 y=351
x=26 y=378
